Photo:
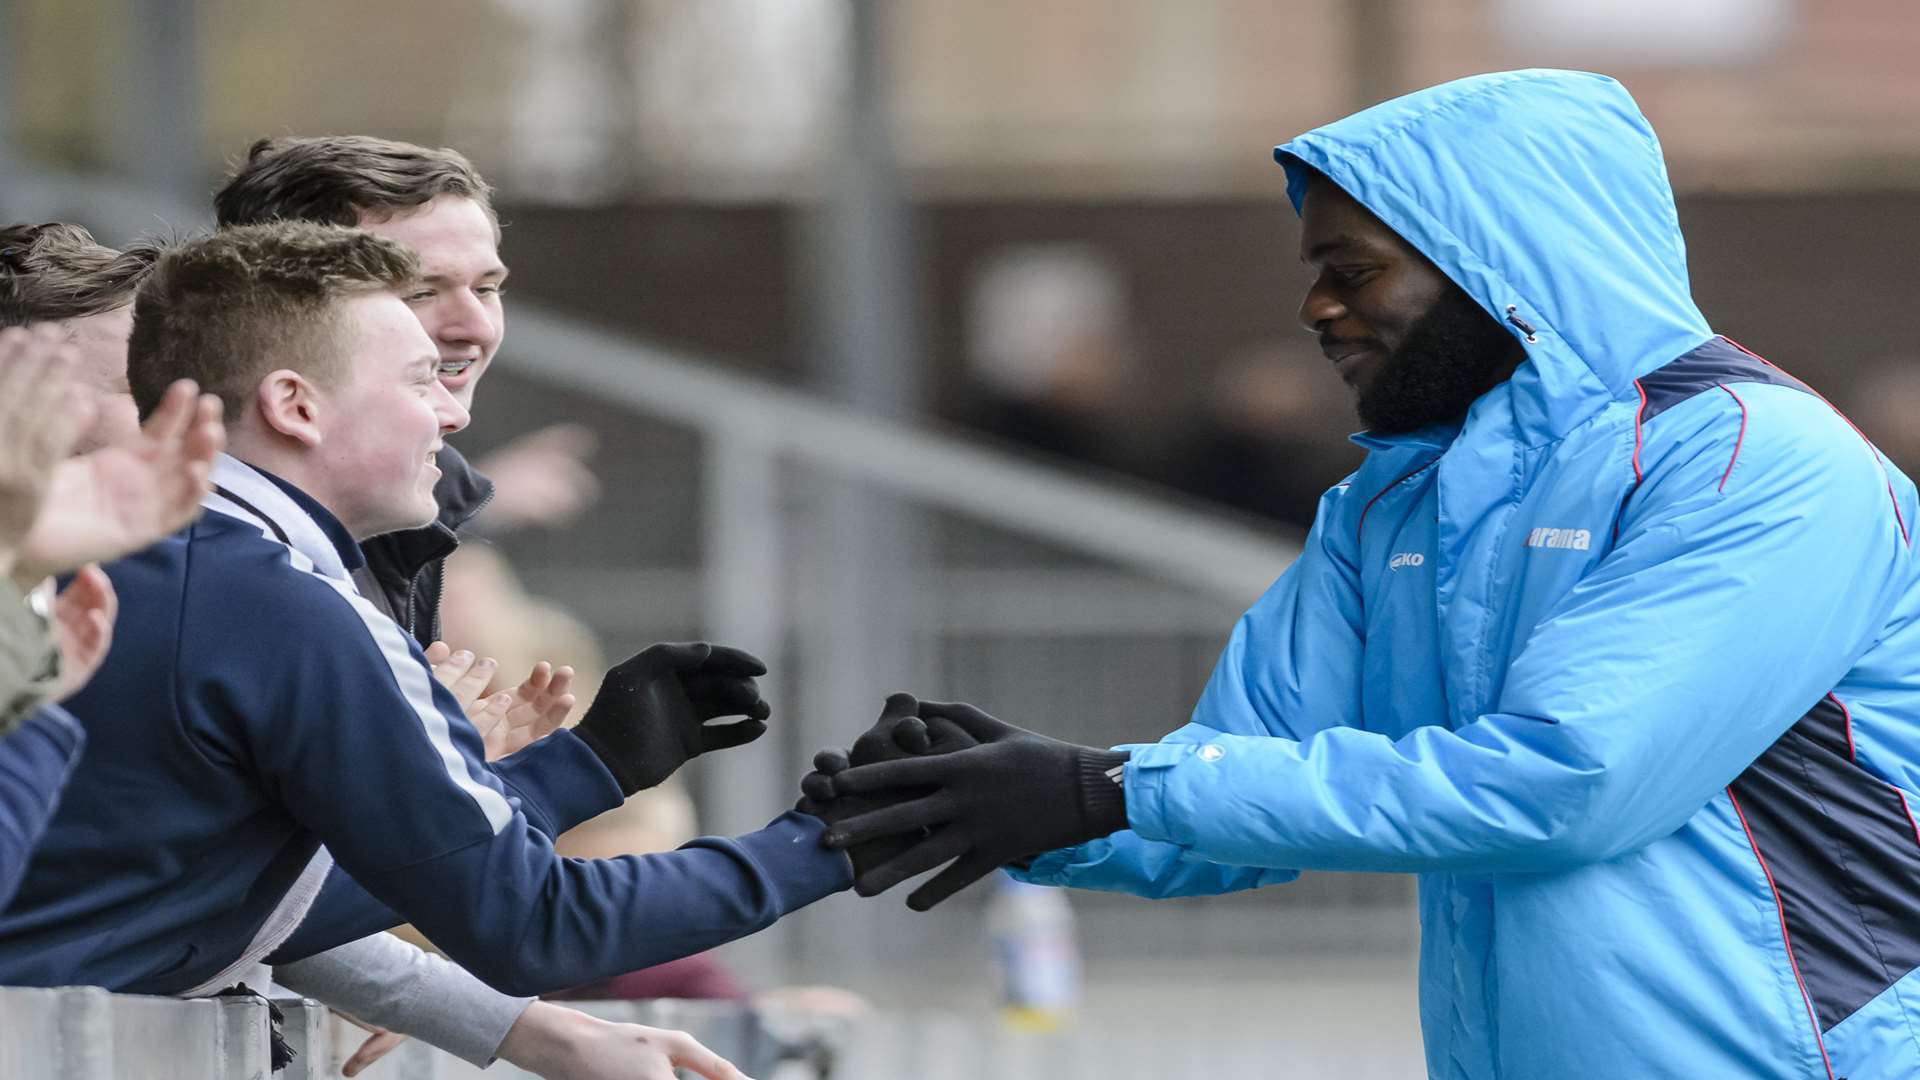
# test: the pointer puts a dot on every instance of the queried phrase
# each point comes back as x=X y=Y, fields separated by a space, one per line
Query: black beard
x=1453 y=354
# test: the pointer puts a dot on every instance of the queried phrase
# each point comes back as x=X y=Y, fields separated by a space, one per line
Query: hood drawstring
x=1521 y=324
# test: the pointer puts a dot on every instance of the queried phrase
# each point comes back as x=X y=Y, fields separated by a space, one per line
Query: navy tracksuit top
x=258 y=719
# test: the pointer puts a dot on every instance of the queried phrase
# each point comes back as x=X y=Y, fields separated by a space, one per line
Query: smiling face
x=383 y=420
x=1413 y=346
x=1370 y=286
x=461 y=277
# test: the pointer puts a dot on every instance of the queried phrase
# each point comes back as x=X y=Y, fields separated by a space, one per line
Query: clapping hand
x=42 y=412
x=511 y=720
x=121 y=497
x=83 y=616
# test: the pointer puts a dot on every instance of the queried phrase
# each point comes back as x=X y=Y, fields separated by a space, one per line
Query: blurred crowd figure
x=1885 y=402
x=1051 y=351
x=1259 y=437
x=1054 y=363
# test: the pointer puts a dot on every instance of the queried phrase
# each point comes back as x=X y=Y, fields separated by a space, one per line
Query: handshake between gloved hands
x=928 y=784
x=933 y=783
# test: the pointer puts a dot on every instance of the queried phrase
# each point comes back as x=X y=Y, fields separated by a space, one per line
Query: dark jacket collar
x=461 y=492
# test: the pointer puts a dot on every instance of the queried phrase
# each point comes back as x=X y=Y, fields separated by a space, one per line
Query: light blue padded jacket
x=1626 y=668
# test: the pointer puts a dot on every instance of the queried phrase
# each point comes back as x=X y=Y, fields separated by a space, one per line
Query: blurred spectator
x=489 y=611
x=540 y=479
x=1262 y=443
x=58 y=274
x=1050 y=351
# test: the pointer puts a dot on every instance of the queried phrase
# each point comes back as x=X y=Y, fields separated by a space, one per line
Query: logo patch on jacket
x=1576 y=539
x=1406 y=559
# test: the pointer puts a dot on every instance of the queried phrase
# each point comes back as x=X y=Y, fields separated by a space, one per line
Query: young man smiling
x=260 y=707
x=436 y=203
x=1613 y=639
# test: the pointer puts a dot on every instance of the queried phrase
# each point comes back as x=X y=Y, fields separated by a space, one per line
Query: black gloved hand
x=897 y=734
x=1014 y=795
x=650 y=716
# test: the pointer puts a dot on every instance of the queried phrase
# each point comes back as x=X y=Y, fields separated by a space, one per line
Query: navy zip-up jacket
x=254 y=708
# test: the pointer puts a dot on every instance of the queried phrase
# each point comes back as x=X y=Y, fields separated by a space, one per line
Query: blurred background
x=951 y=347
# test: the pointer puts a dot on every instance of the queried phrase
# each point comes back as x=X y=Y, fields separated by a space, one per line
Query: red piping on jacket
x=1787 y=939
x=1846 y=716
x=1362 y=523
x=1737 y=440
x=1637 y=414
x=1898 y=517
x=1846 y=722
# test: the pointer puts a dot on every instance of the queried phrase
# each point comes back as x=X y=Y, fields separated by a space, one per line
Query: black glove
x=899 y=733
x=876 y=744
x=1014 y=795
x=650 y=716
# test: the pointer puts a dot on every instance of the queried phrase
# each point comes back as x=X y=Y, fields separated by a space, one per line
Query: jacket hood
x=1544 y=195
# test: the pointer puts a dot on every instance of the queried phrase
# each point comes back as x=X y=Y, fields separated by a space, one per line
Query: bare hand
x=465 y=675
x=123 y=497
x=83 y=626
x=561 y=1044
x=528 y=712
x=509 y=721
x=541 y=478
x=378 y=1045
x=42 y=412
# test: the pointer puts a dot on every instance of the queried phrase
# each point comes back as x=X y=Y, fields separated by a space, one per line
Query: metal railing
x=86 y=1033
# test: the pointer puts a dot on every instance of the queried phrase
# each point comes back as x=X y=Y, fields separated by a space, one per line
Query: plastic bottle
x=1036 y=962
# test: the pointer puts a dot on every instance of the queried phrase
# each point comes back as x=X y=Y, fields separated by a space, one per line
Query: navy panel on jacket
x=1844 y=857
x=1715 y=362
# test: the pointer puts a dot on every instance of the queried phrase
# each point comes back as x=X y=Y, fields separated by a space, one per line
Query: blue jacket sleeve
x=1742 y=587
x=360 y=745
x=35 y=762
x=1291 y=667
x=557 y=782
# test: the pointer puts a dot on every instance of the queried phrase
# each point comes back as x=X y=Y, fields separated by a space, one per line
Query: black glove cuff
x=622 y=775
x=1103 y=791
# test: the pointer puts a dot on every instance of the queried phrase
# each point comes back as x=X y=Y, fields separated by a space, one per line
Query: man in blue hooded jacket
x=1613 y=639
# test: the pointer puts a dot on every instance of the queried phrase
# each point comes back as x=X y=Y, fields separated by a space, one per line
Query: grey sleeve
x=392 y=984
x=29 y=659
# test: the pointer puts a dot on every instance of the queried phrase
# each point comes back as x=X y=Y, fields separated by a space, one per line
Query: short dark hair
x=333 y=179
x=226 y=309
x=59 y=271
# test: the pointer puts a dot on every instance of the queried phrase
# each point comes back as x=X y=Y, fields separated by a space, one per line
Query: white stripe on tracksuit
x=311 y=552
